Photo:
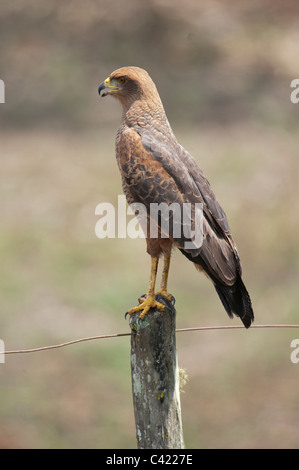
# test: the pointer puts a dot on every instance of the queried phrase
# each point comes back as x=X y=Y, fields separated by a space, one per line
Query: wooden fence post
x=155 y=379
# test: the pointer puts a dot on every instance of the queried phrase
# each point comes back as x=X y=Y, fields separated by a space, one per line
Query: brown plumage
x=155 y=168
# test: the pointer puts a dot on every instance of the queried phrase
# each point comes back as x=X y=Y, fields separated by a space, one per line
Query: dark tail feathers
x=236 y=300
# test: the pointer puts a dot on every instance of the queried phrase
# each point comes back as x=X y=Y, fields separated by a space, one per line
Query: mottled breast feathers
x=153 y=171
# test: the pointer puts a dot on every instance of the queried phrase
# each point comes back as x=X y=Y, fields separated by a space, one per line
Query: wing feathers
x=156 y=170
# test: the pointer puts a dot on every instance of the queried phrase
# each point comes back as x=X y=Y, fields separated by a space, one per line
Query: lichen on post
x=155 y=379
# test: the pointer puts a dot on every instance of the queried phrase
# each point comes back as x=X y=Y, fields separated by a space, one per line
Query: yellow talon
x=148 y=303
x=166 y=294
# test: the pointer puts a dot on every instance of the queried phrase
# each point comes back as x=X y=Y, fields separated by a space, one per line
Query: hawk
x=156 y=169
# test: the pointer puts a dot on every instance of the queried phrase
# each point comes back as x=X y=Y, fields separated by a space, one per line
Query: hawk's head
x=129 y=84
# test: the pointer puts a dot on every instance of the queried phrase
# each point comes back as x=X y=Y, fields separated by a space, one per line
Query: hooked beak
x=107 y=88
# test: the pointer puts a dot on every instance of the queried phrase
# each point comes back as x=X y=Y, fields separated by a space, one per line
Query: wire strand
x=179 y=330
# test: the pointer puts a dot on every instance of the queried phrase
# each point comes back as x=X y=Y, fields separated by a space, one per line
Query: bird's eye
x=122 y=80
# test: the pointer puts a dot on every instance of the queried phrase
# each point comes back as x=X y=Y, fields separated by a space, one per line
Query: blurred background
x=223 y=70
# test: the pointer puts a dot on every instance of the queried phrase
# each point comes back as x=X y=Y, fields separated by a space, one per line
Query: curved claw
x=144 y=307
x=167 y=295
x=142 y=298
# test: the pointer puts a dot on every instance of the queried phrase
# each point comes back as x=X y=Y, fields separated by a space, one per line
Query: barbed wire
x=116 y=335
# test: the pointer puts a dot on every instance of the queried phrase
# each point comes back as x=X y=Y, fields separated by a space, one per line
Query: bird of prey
x=156 y=169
